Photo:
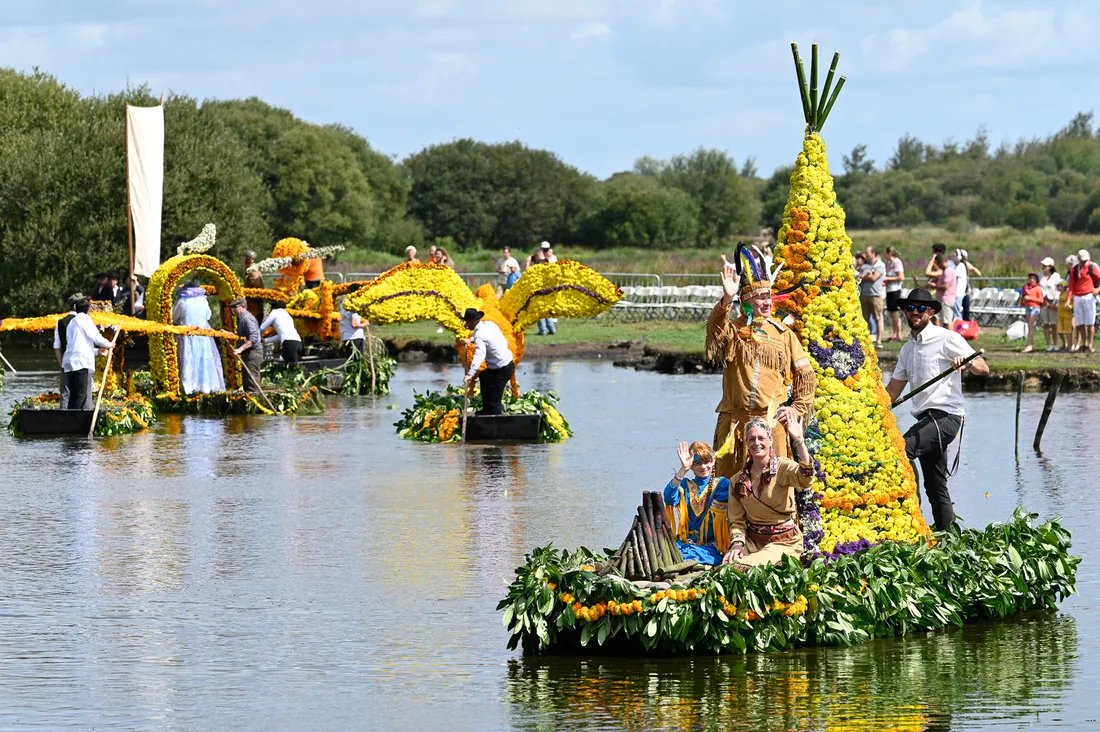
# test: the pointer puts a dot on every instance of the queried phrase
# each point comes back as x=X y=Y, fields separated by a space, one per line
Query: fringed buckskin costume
x=760 y=358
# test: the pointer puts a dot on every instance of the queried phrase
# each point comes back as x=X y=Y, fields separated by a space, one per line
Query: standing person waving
x=939 y=409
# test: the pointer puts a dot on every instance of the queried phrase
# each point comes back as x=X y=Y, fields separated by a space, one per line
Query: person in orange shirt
x=1032 y=300
x=315 y=273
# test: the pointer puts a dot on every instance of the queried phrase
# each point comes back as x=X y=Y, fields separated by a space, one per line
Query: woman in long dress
x=200 y=362
x=762 y=511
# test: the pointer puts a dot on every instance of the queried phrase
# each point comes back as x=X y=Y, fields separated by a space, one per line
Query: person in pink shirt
x=945 y=283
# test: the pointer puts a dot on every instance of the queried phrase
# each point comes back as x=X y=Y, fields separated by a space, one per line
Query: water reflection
x=1017 y=669
x=320 y=572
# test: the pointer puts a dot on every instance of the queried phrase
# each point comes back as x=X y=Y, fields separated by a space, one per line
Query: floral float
x=437 y=417
x=124 y=408
x=875 y=570
x=423 y=291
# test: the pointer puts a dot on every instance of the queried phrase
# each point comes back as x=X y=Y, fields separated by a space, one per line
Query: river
x=318 y=572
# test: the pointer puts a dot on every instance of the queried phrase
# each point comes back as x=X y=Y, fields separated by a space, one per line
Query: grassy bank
x=688 y=337
x=997 y=252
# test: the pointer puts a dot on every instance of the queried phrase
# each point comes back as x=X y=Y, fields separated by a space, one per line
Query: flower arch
x=163 y=357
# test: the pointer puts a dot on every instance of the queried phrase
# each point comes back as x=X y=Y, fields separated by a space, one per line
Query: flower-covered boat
x=871 y=566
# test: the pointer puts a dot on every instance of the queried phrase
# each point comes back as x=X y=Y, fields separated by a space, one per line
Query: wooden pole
x=1055 y=385
x=1019 y=398
x=8 y=363
x=103 y=385
x=130 y=284
x=465 y=409
x=373 y=378
x=257 y=376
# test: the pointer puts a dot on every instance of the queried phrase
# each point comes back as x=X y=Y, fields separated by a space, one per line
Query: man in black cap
x=490 y=348
x=940 y=409
x=251 y=348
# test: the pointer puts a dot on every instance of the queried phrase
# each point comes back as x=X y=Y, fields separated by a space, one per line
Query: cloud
x=590 y=30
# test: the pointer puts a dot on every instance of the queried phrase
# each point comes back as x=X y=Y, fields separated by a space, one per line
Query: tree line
x=260 y=174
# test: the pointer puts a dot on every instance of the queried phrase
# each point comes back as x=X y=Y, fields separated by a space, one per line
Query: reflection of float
x=1011 y=670
x=872 y=569
x=416 y=291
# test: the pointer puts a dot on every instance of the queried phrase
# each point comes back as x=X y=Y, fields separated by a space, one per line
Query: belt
x=762 y=535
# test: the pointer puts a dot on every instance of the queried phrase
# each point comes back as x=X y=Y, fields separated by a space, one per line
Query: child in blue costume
x=696 y=507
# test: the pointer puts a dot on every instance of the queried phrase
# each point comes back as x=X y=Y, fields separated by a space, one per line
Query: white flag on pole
x=145 y=171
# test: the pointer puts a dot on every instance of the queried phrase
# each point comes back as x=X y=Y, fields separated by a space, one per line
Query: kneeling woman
x=696 y=507
x=762 y=513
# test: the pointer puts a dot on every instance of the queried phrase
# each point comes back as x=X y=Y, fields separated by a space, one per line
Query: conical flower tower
x=869 y=490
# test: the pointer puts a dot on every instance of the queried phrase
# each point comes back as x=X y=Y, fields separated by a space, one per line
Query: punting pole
x=935 y=379
x=257 y=378
x=103 y=386
x=8 y=363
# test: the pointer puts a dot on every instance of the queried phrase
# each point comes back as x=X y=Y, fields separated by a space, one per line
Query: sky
x=598 y=82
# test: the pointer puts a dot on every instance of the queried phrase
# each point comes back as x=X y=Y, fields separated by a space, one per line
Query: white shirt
x=284 y=327
x=926 y=355
x=490 y=347
x=349 y=331
x=82 y=339
x=505 y=265
x=1050 y=286
x=962 y=280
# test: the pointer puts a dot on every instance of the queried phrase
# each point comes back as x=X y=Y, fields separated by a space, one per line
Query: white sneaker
x=1050 y=349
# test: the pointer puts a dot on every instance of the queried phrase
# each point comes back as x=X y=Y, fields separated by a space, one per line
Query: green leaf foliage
x=888 y=590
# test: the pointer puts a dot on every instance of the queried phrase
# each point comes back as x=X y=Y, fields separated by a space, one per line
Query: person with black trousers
x=78 y=361
x=491 y=349
x=940 y=409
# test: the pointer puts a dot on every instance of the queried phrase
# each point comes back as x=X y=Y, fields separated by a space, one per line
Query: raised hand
x=730 y=279
x=788 y=417
x=683 y=451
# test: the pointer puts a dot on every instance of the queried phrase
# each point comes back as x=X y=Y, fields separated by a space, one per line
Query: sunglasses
x=911 y=308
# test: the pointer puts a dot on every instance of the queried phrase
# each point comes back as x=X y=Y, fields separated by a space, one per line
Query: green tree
x=321 y=193
x=635 y=211
x=727 y=202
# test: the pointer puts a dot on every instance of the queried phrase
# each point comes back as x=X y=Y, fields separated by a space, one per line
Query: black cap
x=472 y=314
x=922 y=297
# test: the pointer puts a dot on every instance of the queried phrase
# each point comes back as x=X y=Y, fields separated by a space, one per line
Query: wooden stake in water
x=1055 y=385
x=370 y=351
x=1019 y=397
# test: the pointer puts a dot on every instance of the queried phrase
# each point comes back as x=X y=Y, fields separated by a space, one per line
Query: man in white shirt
x=351 y=328
x=506 y=265
x=61 y=342
x=78 y=362
x=285 y=334
x=490 y=348
x=940 y=409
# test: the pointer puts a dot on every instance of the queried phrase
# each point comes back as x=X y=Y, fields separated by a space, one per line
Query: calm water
x=320 y=573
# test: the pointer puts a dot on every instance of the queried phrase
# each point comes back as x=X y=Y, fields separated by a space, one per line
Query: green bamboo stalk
x=829 y=108
x=801 y=72
x=649 y=540
x=813 y=86
x=826 y=89
x=641 y=552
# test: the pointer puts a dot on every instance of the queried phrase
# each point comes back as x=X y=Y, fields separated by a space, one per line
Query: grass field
x=688 y=337
x=997 y=252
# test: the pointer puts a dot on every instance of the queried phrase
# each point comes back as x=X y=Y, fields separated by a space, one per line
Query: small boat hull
x=503 y=428
x=56 y=421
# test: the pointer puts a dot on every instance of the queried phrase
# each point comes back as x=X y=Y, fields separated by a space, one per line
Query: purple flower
x=844 y=359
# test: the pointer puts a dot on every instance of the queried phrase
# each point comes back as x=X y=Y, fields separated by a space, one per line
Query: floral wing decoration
x=562 y=289
x=114 y=320
x=414 y=291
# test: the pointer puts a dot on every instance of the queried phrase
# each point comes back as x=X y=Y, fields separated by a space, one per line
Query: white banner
x=145 y=167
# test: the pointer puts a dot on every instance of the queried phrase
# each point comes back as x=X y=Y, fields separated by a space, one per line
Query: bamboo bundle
x=649 y=551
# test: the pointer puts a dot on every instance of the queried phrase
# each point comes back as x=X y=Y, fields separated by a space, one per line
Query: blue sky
x=599 y=82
